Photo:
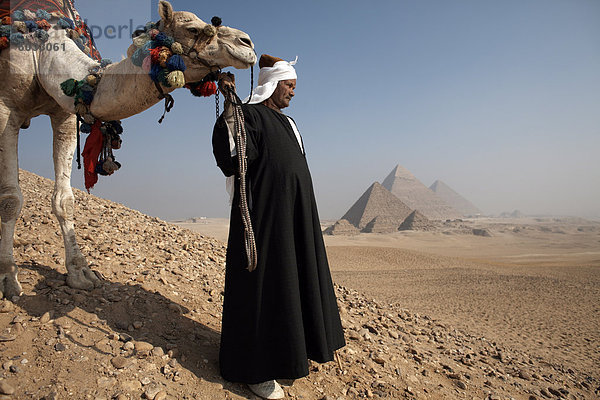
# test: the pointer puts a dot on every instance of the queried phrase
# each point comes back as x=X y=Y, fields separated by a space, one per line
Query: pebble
x=120 y=362
x=131 y=386
x=45 y=318
x=7 y=338
x=106 y=381
x=6 y=388
x=145 y=381
x=152 y=390
x=158 y=352
x=524 y=375
x=128 y=346
x=162 y=395
x=143 y=347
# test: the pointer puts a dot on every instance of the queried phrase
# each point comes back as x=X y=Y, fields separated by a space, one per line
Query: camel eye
x=193 y=31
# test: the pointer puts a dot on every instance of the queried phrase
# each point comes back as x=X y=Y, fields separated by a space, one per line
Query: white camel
x=31 y=86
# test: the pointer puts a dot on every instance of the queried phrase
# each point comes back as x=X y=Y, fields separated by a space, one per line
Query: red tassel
x=91 y=151
x=208 y=89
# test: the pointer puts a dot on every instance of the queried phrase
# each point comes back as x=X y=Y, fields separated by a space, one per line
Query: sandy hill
x=152 y=330
x=453 y=199
x=377 y=203
x=417 y=196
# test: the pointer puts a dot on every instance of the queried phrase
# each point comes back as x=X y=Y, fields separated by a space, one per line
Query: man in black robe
x=283 y=313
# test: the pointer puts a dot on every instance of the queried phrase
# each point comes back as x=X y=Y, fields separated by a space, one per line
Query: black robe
x=284 y=312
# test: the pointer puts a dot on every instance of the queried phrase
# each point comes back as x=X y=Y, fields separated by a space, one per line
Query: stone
x=106 y=381
x=120 y=362
x=162 y=395
x=524 y=375
x=158 y=352
x=152 y=390
x=45 y=318
x=143 y=347
x=131 y=386
x=6 y=388
x=128 y=346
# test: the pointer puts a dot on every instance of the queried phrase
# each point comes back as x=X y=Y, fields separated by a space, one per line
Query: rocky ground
x=152 y=330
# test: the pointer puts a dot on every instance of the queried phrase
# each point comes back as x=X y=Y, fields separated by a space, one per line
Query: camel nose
x=246 y=41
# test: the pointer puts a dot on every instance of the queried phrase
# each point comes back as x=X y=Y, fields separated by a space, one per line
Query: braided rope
x=240 y=142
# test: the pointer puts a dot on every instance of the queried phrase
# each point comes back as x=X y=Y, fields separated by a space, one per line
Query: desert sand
x=533 y=285
x=426 y=315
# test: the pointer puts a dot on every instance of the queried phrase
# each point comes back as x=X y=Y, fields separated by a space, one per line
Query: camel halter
x=209 y=31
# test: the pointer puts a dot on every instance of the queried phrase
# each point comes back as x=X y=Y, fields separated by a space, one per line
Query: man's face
x=283 y=93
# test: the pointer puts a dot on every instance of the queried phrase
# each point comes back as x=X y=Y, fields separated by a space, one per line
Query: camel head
x=206 y=47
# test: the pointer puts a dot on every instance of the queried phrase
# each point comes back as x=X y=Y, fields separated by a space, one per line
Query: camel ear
x=165 y=10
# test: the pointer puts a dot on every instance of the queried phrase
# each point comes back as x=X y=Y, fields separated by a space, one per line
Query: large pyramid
x=377 y=202
x=417 y=196
x=454 y=199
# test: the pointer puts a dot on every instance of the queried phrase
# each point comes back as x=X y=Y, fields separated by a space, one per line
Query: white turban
x=269 y=77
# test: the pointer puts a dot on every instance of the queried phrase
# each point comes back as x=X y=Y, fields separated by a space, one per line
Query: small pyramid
x=342 y=227
x=416 y=222
x=454 y=199
x=377 y=201
x=381 y=225
x=417 y=196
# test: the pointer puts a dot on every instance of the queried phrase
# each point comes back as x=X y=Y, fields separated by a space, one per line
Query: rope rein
x=240 y=142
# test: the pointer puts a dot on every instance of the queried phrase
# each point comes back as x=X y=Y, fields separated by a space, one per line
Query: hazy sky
x=498 y=99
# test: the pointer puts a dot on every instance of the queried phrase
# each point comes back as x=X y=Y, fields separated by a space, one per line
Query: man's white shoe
x=268 y=390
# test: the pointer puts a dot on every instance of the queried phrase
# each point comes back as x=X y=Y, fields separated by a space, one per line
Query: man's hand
x=226 y=82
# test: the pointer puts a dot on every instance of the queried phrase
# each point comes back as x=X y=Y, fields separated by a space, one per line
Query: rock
x=158 y=352
x=120 y=362
x=6 y=388
x=131 y=386
x=60 y=347
x=353 y=335
x=162 y=395
x=45 y=318
x=379 y=359
x=461 y=385
x=152 y=390
x=128 y=346
x=145 y=381
x=106 y=381
x=7 y=338
x=143 y=347
x=555 y=392
x=524 y=375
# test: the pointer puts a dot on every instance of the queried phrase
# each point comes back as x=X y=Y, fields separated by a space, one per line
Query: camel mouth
x=243 y=54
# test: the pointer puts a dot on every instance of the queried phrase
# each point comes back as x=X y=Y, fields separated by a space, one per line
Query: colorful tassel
x=176 y=79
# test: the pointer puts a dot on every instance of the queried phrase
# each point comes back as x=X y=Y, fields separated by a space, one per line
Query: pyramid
x=342 y=227
x=416 y=222
x=417 y=196
x=453 y=199
x=381 y=225
x=378 y=202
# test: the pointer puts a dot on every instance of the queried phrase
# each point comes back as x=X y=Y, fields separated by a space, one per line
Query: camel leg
x=79 y=275
x=11 y=201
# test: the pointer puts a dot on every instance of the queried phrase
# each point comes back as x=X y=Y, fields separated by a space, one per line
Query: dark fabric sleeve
x=220 y=142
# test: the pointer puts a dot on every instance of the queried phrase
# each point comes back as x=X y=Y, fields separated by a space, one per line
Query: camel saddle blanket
x=63 y=7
